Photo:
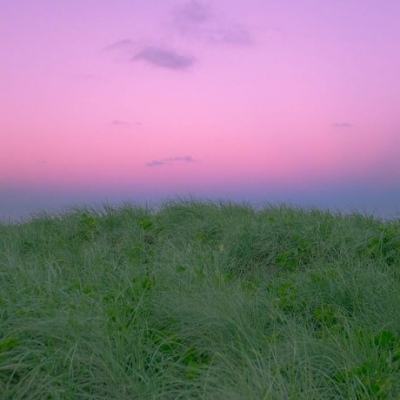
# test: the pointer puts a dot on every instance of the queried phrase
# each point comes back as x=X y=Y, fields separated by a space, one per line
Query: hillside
x=200 y=301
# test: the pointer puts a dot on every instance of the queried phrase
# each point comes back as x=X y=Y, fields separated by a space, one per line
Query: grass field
x=200 y=301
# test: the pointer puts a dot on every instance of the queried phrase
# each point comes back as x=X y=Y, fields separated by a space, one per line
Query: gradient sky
x=261 y=100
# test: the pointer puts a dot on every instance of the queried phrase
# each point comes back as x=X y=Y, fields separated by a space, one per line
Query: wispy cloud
x=342 y=125
x=164 y=58
x=197 y=20
x=170 y=160
x=235 y=35
x=192 y=12
x=155 y=163
x=122 y=50
x=118 y=122
x=123 y=44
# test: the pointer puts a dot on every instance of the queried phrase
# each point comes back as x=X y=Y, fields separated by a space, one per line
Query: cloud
x=170 y=160
x=118 y=122
x=122 y=50
x=164 y=58
x=129 y=51
x=192 y=12
x=123 y=44
x=188 y=159
x=342 y=125
x=235 y=35
x=195 y=19
x=155 y=163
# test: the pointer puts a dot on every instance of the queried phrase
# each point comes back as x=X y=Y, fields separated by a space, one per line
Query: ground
x=200 y=301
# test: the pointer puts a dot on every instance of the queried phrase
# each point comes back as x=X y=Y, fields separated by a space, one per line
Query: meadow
x=200 y=301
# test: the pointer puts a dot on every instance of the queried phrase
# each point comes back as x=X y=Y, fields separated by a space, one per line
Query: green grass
x=200 y=301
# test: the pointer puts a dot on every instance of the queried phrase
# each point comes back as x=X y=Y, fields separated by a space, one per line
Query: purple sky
x=258 y=100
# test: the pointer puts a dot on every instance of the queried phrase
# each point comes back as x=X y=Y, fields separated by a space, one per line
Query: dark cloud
x=128 y=50
x=164 y=58
x=342 y=125
x=170 y=160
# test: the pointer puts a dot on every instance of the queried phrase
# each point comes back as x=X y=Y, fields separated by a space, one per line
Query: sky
x=247 y=100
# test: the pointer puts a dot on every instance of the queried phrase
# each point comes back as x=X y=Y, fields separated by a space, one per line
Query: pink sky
x=198 y=97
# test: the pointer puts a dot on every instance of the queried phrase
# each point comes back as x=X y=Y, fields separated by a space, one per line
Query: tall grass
x=200 y=301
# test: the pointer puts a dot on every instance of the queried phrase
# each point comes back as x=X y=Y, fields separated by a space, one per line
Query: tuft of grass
x=200 y=301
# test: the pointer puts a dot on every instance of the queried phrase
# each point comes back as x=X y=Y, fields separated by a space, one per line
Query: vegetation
x=200 y=301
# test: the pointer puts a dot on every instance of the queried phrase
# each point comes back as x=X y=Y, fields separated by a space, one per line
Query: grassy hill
x=200 y=301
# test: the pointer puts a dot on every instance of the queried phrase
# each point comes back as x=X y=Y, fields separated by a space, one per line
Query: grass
x=200 y=301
